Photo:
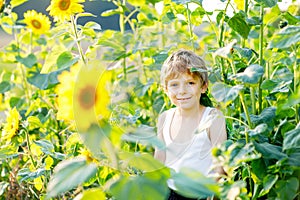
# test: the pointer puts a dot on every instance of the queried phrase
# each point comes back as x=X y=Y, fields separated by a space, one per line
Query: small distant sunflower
x=63 y=9
x=87 y=154
x=37 y=22
x=12 y=124
x=2 y=2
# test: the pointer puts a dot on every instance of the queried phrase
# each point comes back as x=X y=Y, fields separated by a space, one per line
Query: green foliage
x=194 y=185
x=253 y=60
x=70 y=173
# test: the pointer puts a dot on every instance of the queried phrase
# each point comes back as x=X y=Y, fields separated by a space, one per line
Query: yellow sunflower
x=12 y=124
x=63 y=9
x=87 y=154
x=91 y=97
x=37 y=22
x=64 y=92
x=1 y=5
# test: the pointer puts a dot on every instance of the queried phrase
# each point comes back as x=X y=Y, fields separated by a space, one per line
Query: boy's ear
x=164 y=88
x=204 y=87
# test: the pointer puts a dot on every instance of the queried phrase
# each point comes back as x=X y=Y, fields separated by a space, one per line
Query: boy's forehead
x=184 y=76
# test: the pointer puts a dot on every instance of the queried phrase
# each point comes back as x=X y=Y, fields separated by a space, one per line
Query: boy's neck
x=190 y=113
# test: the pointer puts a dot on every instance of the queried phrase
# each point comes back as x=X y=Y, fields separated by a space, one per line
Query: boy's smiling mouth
x=181 y=99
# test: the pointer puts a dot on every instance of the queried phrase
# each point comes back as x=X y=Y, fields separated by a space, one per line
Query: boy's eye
x=191 y=83
x=173 y=84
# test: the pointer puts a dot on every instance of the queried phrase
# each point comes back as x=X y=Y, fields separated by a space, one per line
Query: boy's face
x=185 y=91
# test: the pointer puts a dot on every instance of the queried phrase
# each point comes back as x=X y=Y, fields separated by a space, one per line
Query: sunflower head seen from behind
x=63 y=9
x=37 y=22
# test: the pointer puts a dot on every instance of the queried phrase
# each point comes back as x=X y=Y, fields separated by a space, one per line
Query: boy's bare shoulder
x=161 y=118
x=216 y=111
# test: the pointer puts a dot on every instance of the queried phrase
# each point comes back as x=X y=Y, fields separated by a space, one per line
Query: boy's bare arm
x=217 y=131
x=158 y=153
x=217 y=134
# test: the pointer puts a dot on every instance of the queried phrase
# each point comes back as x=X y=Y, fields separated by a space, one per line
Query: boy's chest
x=183 y=131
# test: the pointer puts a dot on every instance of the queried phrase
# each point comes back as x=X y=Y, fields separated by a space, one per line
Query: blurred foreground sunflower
x=91 y=95
x=37 y=22
x=63 y=9
x=12 y=124
x=83 y=94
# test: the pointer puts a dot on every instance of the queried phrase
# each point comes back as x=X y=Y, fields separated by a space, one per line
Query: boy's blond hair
x=183 y=61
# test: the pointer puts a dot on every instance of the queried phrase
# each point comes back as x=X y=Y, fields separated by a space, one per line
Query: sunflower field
x=79 y=104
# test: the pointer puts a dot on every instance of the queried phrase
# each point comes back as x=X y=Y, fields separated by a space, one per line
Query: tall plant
x=82 y=102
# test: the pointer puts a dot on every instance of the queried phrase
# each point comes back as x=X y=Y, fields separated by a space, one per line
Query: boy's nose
x=182 y=89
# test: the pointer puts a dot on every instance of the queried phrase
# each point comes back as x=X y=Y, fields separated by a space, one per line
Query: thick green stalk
x=221 y=44
x=222 y=27
x=232 y=67
x=261 y=52
x=252 y=89
x=188 y=13
x=246 y=15
x=73 y=21
x=221 y=41
x=124 y=67
x=122 y=30
x=253 y=100
x=162 y=36
x=29 y=148
x=246 y=7
x=122 y=18
x=127 y=19
x=296 y=76
x=221 y=36
x=236 y=119
x=243 y=102
x=25 y=85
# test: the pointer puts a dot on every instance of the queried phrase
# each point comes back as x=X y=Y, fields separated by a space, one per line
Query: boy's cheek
x=171 y=94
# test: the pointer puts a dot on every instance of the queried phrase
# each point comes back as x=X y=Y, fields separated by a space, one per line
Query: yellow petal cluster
x=64 y=92
x=63 y=9
x=37 y=22
x=12 y=124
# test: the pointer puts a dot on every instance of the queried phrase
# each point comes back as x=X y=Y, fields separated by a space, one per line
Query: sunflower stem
x=261 y=51
x=73 y=21
x=29 y=148
x=242 y=98
x=25 y=85
x=246 y=15
x=190 y=25
x=122 y=21
x=296 y=76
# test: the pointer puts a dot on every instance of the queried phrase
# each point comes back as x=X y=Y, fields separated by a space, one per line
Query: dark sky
x=95 y=7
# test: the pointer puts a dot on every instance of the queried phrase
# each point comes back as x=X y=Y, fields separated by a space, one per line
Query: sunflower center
x=87 y=97
x=36 y=24
x=64 y=4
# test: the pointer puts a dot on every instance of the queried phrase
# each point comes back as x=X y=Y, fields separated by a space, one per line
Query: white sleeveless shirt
x=194 y=154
